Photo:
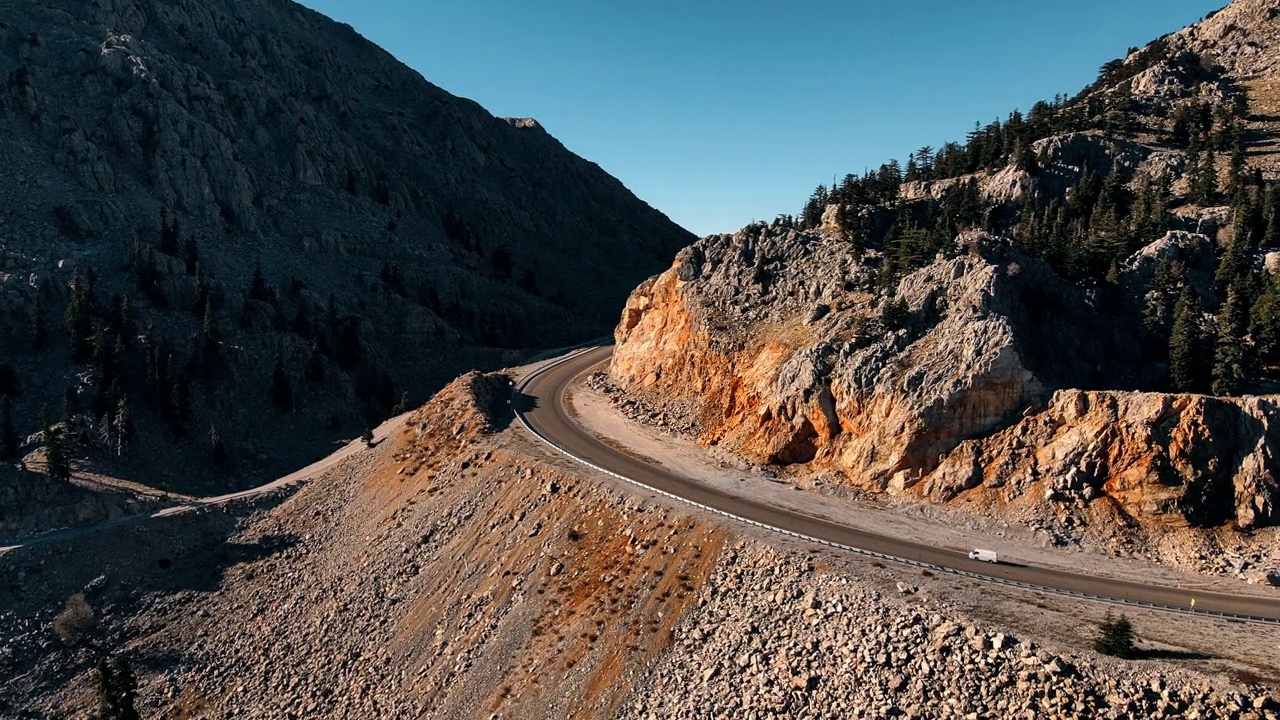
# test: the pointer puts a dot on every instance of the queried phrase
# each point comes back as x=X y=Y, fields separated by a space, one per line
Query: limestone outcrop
x=964 y=382
x=1174 y=459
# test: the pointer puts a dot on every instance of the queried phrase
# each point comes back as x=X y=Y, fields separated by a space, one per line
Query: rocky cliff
x=1035 y=318
x=164 y=151
x=765 y=341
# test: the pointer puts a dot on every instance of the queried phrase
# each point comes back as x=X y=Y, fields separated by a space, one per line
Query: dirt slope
x=459 y=571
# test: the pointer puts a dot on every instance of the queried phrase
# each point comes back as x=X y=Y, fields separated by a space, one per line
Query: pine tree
x=192 y=359
x=302 y=321
x=281 y=388
x=1108 y=239
x=117 y=691
x=57 y=464
x=1264 y=323
x=124 y=321
x=811 y=216
x=191 y=254
x=147 y=279
x=924 y=161
x=1113 y=272
x=1230 y=359
x=258 y=289
x=1237 y=261
x=78 y=319
x=9 y=441
x=217 y=447
x=1157 y=221
x=1147 y=219
x=1204 y=179
x=894 y=314
x=201 y=292
x=1186 y=343
x=70 y=402
x=314 y=373
x=210 y=336
x=38 y=329
x=1271 y=210
x=1239 y=174
x=1115 y=637
x=122 y=424
x=102 y=371
x=179 y=408
x=169 y=232
x=1183 y=131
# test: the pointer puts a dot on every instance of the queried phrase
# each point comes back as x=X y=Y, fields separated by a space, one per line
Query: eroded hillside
x=458 y=570
x=219 y=218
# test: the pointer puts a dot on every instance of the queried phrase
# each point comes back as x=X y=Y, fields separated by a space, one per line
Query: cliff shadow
x=522 y=403
x=1170 y=654
x=121 y=563
x=89 y=585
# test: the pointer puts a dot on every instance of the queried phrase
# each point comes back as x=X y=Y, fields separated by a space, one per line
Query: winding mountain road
x=540 y=407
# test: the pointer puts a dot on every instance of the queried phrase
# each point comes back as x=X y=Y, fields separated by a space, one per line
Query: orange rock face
x=947 y=407
x=1173 y=459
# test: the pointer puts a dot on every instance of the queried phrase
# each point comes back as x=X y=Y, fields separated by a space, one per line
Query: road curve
x=540 y=407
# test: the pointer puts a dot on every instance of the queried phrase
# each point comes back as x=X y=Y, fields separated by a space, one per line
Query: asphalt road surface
x=540 y=402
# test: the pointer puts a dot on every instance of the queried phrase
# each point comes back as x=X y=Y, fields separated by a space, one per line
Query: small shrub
x=75 y=621
x=894 y=314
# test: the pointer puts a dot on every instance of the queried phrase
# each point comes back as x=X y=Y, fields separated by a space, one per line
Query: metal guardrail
x=518 y=389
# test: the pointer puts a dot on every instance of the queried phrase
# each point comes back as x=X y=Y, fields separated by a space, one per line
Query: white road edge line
x=518 y=389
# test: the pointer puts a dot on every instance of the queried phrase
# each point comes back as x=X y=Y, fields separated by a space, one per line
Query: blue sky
x=720 y=112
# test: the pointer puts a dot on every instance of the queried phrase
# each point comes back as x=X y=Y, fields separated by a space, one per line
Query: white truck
x=984 y=555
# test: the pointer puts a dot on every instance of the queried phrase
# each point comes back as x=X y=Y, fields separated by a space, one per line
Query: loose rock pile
x=673 y=417
x=771 y=638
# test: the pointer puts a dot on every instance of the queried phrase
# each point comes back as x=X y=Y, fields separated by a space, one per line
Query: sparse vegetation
x=57 y=461
x=116 y=689
x=1115 y=637
x=76 y=620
